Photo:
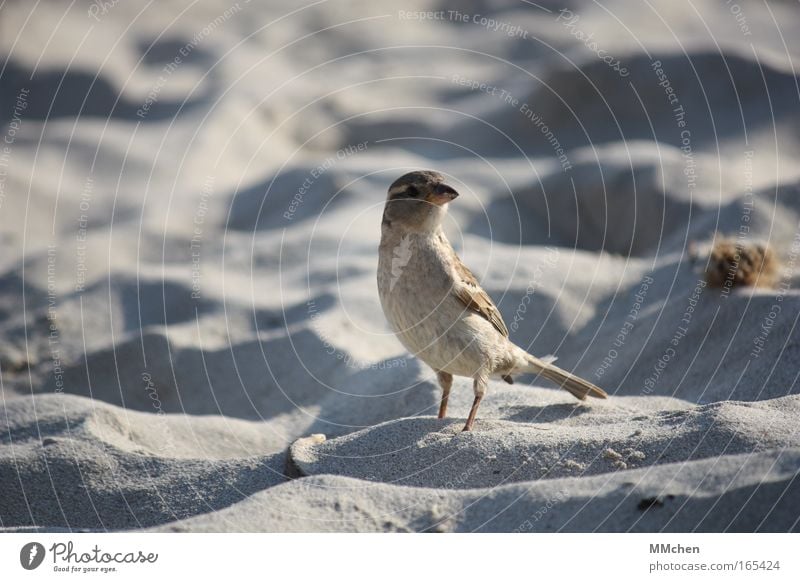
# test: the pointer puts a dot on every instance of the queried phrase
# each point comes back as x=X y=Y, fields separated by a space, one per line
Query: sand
x=190 y=204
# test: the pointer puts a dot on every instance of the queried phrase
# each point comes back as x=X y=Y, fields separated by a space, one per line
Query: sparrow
x=435 y=305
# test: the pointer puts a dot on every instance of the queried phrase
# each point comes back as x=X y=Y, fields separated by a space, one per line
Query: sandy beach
x=190 y=209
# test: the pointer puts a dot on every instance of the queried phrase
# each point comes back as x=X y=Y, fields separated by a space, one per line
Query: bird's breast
x=415 y=286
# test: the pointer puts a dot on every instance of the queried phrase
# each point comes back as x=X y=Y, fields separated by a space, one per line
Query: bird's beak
x=441 y=195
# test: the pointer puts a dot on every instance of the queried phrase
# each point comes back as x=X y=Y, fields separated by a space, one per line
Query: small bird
x=436 y=306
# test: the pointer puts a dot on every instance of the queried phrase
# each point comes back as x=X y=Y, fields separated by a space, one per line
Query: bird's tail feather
x=575 y=385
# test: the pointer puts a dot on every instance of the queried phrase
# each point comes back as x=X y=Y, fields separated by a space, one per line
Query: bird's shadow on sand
x=545 y=414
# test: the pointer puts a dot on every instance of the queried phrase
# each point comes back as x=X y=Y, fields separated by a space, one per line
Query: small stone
x=649 y=502
x=302 y=453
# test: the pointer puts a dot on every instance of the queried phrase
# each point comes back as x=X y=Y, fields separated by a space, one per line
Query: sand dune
x=745 y=494
x=187 y=289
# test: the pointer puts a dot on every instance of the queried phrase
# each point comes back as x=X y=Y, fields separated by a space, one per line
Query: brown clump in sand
x=735 y=263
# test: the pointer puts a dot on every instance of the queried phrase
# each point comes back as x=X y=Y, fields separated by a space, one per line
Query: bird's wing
x=467 y=289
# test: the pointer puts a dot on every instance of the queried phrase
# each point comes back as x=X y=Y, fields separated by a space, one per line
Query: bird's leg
x=446 y=382
x=480 y=390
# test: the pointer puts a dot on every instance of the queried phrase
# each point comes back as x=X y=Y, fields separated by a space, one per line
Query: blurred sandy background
x=190 y=200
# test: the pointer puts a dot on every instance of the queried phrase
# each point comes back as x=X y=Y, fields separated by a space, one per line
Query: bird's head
x=417 y=201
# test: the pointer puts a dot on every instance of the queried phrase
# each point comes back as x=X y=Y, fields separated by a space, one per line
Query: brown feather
x=469 y=292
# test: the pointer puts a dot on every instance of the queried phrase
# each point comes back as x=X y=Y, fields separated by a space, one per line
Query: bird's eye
x=412 y=191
